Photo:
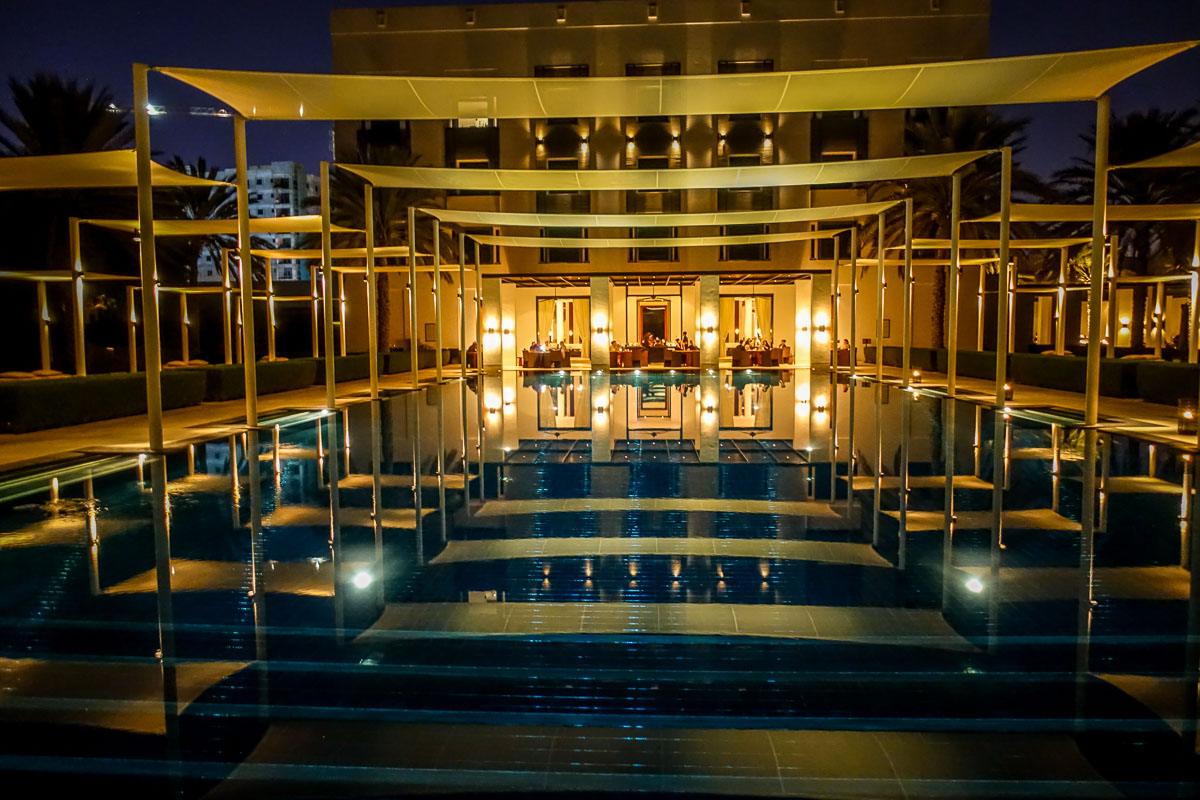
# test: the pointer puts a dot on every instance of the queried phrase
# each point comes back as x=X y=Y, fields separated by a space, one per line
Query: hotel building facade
x=537 y=294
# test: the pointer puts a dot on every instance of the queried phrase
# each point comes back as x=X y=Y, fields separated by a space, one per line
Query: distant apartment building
x=278 y=189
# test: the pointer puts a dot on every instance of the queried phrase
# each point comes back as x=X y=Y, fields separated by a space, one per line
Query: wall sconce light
x=1008 y=392
x=916 y=376
x=491 y=331
x=1186 y=418
x=506 y=332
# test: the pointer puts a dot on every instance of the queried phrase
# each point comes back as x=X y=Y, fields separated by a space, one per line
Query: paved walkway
x=1125 y=415
x=181 y=426
x=201 y=422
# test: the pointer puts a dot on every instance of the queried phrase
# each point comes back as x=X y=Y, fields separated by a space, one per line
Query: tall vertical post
x=341 y=315
x=880 y=287
x=1194 y=317
x=316 y=310
x=437 y=296
x=270 y=281
x=980 y=294
x=1091 y=407
x=479 y=323
x=245 y=271
x=955 y=271
x=226 y=311
x=372 y=290
x=412 y=293
x=327 y=288
x=43 y=326
x=1002 y=283
x=835 y=305
x=906 y=333
x=462 y=316
x=131 y=322
x=77 y=298
x=853 y=301
x=1113 y=329
x=1060 y=323
x=149 y=272
x=184 y=323
x=1160 y=317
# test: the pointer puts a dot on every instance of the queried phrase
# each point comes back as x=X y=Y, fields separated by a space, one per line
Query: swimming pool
x=689 y=583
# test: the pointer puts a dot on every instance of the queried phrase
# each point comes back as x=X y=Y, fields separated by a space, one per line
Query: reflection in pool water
x=726 y=582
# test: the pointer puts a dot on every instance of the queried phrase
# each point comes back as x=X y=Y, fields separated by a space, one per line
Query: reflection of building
x=649 y=287
x=278 y=189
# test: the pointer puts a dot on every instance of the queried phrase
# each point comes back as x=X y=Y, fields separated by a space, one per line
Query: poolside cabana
x=310 y=223
x=40 y=278
x=105 y=169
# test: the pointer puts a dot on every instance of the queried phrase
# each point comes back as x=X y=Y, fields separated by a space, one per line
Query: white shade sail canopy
x=992 y=244
x=1187 y=156
x=1058 y=212
x=826 y=263
x=666 y=241
x=393 y=251
x=771 y=216
x=309 y=223
x=102 y=169
x=544 y=180
x=1048 y=78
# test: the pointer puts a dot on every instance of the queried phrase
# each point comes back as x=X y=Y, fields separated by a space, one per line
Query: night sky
x=99 y=41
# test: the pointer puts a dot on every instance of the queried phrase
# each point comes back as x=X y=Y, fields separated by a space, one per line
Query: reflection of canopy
x=308 y=223
x=104 y=169
x=1187 y=156
x=1050 y=78
x=1051 y=212
x=991 y=244
x=812 y=174
x=666 y=241
x=397 y=251
x=659 y=220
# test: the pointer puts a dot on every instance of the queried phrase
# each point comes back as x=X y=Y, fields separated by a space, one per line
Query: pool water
x=684 y=584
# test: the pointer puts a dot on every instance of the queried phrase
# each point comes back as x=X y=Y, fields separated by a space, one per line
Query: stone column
x=601 y=326
x=709 y=309
x=493 y=356
x=819 y=313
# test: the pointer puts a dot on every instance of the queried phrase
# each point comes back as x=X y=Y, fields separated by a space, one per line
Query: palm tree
x=178 y=254
x=56 y=116
x=951 y=130
x=391 y=216
x=1146 y=248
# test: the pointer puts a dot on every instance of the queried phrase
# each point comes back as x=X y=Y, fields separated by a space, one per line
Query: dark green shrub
x=1167 y=381
x=54 y=402
x=1118 y=378
x=228 y=381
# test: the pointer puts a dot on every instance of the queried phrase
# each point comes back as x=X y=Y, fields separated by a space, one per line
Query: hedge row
x=1118 y=378
x=1153 y=381
x=56 y=402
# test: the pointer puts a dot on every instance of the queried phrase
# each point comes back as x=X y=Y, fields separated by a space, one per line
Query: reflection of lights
x=362 y=579
x=974 y=585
